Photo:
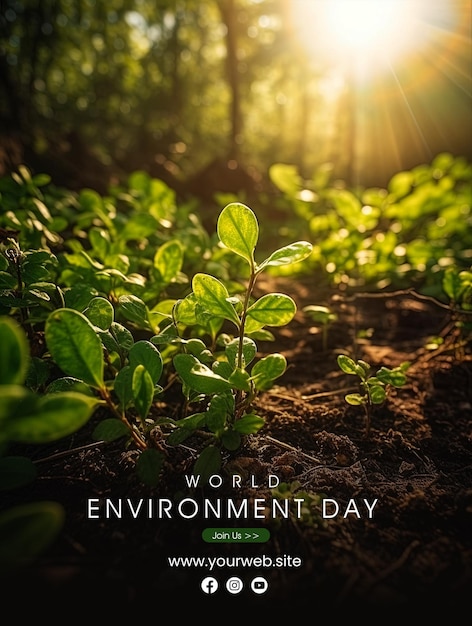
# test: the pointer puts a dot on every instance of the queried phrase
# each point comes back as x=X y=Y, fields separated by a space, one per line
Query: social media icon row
x=234 y=585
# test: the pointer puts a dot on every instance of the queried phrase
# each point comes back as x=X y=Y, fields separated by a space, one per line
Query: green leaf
x=354 y=398
x=122 y=336
x=273 y=309
x=213 y=296
x=249 y=424
x=134 y=309
x=16 y=471
x=249 y=351
x=179 y=435
x=292 y=253
x=377 y=394
x=238 y=230
x=208 y=463
x=68 y=383
x=75 y=346
x=145 y=353
x=199 y=377
x=14 y=352
x=191 y=422
x=168 y=260
x=123 y=386
x=319 y=314
x=222 y=404
x=26 y=531
x=394 y=377
x=267 y=370
x=149 y=465
x=185 y=428
x=286 y=178
x=139 y=226
x=216 y=421
x=184 y=311
x=143 y=391
x=231 y=439
x=347 y=364
x=110 y=430
x=100 y=312
x=240 y=379
x=55 y=416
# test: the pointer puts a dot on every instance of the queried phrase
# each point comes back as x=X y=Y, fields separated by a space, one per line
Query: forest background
x=208 y=95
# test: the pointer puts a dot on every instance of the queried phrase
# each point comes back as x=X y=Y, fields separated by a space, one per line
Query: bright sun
x=364 y=24
x=373 y=31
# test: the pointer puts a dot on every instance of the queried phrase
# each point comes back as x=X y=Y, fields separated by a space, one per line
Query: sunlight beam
x=375 y=33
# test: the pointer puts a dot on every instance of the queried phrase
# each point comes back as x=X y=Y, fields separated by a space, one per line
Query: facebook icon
x=209 y=585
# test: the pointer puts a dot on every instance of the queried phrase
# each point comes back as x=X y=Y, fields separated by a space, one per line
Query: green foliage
x=229 y=381
x=374 y=387
x=407 y=234
x=133 y=263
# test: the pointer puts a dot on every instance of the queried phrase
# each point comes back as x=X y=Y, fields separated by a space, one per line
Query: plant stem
x=122 y=417
x=242 y=324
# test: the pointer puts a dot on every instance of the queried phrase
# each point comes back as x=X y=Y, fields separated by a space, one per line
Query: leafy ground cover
x=412 y=466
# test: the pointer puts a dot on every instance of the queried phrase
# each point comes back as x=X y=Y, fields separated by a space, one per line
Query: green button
x=236 y=535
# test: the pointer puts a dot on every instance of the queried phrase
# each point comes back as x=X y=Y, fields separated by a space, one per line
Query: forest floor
x=416 y=464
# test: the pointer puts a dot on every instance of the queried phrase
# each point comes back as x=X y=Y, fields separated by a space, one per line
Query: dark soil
x=414 y=553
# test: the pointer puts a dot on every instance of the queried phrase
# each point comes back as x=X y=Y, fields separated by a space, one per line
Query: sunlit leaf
x=267 y=370
x=377 y=394
x=213 y=296
x=249 y=350
x=238 y=229
x=292 y=253
x=75 y=346
x=347 y=364
x=274 y=309
x=198 y=376
x=355 y=399
x=100 y=312
x=168 y=260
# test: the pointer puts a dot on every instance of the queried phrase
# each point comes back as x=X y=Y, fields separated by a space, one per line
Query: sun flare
x=364 y=24
x=373 y=31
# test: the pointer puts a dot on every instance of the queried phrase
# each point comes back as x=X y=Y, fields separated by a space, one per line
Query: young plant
x=228 y=382
x=322 y=316
x=457 y=284
x=99 y=357
x=374 y=387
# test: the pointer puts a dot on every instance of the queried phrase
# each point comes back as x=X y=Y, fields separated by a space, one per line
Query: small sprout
x=322 y=316
x=374 y=388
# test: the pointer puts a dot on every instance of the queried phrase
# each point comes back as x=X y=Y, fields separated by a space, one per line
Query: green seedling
x=228 y=382
x=99 y=357
x=374 y=387
x=322 y=316
x=457 y=285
